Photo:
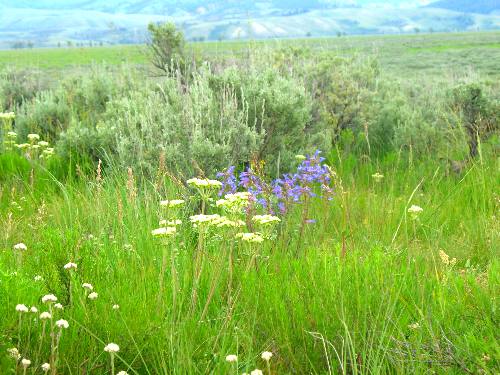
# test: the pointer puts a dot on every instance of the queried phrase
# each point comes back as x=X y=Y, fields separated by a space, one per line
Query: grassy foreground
x=366 y=289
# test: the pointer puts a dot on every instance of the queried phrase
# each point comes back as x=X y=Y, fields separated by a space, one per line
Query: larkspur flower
x=112 y=348
x=22 y=308
x=87 y=286
x=266 y=356
x=45 y=316
x=49 y=298
x=70 y=266
x=231 y=358
x=93 y=296
x=61 y=323
x=20 y=246
x=45 y=367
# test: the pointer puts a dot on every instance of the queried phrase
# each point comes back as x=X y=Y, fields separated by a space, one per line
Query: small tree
x=166 y=46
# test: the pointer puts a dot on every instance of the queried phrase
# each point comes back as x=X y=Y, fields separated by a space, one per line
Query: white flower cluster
x=204 y=183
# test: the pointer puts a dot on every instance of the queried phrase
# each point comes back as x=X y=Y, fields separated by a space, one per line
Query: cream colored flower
x=378 y=177
x=43 y=144
x=116 y=307
x=266 y=356
x=87 y=286
x=204 y=182
x=250 y=237
x=415 y=210
x=170 y=223
x=45 y=316
x=14 y=353
x=58 y=306
x=203 y=219
x=300 y=157
x=70 y=265
x=33 y=309
x=164 y=232
x=61 y=323
x=20 y=246
x=231 y=358
x=49 y=298
x=45 y=367
x=256 y=372
x=25 y=362
x=22 y=308
x=266 y=219
x=33 y=137
x=112 y=348
x=93 y=296
x=122 y=373
x=172 y=203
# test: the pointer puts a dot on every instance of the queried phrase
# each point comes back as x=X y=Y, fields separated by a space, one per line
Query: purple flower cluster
x=312 y=179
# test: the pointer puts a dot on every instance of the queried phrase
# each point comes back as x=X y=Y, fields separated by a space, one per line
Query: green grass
x=363 y=292
x=414 y=55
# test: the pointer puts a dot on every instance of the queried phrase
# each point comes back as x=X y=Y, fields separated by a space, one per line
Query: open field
x=434 y=54
x=378 y=255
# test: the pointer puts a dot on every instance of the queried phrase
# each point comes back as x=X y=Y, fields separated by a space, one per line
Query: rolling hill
x=49 y=23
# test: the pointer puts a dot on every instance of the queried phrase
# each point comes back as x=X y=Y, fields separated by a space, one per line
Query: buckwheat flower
x=33 y=309
x=415 y=210
x=45 y=316
x=21 y=308
x=172 y=203
x=231 y=358
x=45 y=367
x=12 y=134
x=14 y=353
x=61 y=323
x=203 y=219
x=266 y=219
x=70 y=265
x=116 y=307
x=93 y=295
x=256 y=372
x=164 y=232
x=58 y=306
x=250 y=237
x=112 y=348
x=266 y=356
x=87 y=286
x=204 y=182
x=122 y=373
x=378 y=177
x=25 y=362
x=21 y=247
x=33 y=137
x=49 y=298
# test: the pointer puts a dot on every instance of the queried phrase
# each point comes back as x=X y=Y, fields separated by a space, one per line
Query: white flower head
x=250 y=237
x=33 y=309
x=415 y=210
x=172 y=203
x=112 y=348
x=14 y=353
x=231 y=358
x=204 y=183
x=256 y=372
x=49 y=298
x=266 y=219
x=378 y=177
x=87 y=286
x=116 y=307
x=33 y=137
x=25 y=362
x=45 y=367
x=22 y=308
x=38 y=278
x=122 y=373
x=93 y=296
x=20 y=246
x=70 y=265
x=266 y=356
x=164 y=232
x=61 y=323
x=45 y=316
x=58 y=306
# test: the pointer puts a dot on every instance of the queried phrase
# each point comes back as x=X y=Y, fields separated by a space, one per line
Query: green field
x=434 y=54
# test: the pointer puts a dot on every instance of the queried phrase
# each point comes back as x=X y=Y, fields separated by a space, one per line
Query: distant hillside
x=468 y=6
x=26 y=23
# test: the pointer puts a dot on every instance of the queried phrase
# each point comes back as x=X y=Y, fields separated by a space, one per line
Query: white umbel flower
x=93 y=295
x=112 y=348
x=256 y=372
x=164 y=232
x=22 y=308
x=33 y=309
x=20 y=246
x=415 y=210
x=172 y=203
x=58 y=306
x=49 y=298
x=266 y=356
x=61 y=323
x=231 y=358
x=70 y=265
x=116 y=307
x=87 y=286
x=45 y=367
x=14 y=353
x=122 y=373
x=45 y=316
x=25 y=362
